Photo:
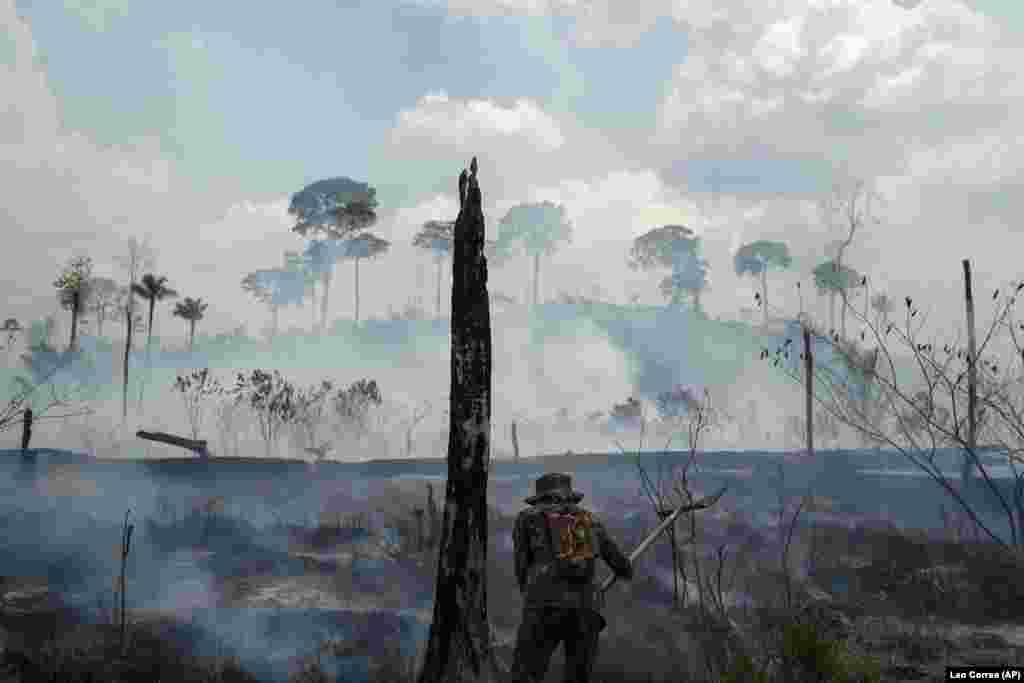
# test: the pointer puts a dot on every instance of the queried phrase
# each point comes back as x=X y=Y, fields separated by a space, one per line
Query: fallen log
x=196 y=446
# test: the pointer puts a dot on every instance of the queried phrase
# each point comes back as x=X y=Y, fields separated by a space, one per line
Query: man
x=556 y=543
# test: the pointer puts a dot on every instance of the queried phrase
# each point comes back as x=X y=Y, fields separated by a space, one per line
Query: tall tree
x=190 y=310
x=436 y=236
x=321 y=257
x=140 y=257
x=275 y=287
x=152 y=288
x=363 y=246
x=103 y=301
x=848 y=208
x=830 y=278
x=338 y=209
x=756 y=258
x=73 y=287
x=297 y=263
x=675 y=247
x=537 y=228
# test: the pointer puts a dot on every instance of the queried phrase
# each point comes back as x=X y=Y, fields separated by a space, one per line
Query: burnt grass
x=899 y=593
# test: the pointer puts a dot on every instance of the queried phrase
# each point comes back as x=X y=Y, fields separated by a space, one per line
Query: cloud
x=442 y=120
x=859 y=83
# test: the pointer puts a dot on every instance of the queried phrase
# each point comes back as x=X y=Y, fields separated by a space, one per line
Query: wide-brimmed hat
x=554 y=485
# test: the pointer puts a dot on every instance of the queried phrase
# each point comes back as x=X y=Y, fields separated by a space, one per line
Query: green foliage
x=539 y=228
x=755 y=257
x=435 y=236
x=190 y=309
x=335 y=208
x=830 y=277
x=808 y=656
x=743 y=670
x=661 y=247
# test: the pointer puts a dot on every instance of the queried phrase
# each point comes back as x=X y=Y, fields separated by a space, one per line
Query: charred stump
x=459 y=647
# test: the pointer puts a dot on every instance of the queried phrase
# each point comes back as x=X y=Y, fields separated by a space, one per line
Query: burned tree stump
x=459 y=648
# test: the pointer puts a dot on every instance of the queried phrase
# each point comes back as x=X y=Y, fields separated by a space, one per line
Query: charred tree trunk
x=72 y=344
x=26 y=429
x=809 y=380
x=459 y=648
x=129 y=311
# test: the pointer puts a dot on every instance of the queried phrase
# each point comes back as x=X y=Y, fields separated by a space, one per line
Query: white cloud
x=477 y=123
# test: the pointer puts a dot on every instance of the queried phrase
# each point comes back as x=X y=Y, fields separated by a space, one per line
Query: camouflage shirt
x=534 y=560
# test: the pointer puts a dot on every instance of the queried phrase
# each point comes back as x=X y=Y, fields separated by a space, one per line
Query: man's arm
x=611 y=553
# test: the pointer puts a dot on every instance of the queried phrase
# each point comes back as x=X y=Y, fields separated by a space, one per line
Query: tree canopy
x=365 y=246
x=190 y=309
x=757 y=256
x=662 y=247
x=538 y=228
x=830 y=277
x=334 y=207
x=435 y=236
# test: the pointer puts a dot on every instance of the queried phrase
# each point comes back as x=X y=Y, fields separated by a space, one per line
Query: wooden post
x=432 y=516
x=26 y=429
x=126 y=543
x=809 y=382
x=972 y=378
x=515 y=441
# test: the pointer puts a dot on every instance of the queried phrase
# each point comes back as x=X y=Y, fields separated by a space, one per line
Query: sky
x=192 y=123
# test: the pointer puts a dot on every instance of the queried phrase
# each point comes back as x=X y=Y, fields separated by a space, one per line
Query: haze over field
x=195 y=123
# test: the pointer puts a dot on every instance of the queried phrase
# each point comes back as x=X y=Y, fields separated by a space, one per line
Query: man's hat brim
x=572 y=497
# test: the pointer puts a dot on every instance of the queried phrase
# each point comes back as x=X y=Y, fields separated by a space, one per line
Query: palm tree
x=153 y=289
x=191 y=310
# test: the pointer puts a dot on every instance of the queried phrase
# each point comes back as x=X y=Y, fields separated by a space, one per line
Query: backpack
x=572 y=544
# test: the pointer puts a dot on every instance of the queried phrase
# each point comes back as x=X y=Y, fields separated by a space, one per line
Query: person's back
x=557 y=543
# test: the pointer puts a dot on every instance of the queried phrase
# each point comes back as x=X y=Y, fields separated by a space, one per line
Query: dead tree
x=515 y=441
x=972 y=376
x=459 y=648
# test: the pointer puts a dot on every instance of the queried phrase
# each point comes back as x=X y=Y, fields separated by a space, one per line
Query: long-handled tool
x=653 y=536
